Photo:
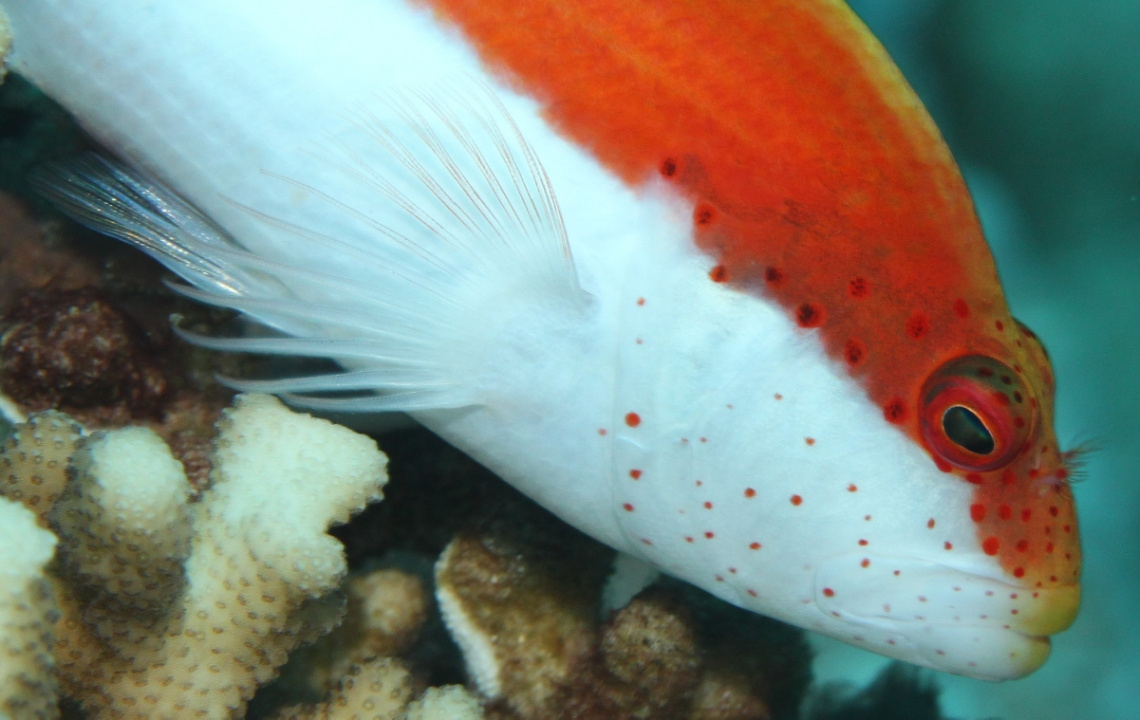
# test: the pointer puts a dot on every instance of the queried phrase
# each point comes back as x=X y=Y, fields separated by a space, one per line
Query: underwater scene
x=170 y=547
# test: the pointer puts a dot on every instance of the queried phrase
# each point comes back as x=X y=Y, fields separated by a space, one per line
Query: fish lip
x=953 y=618
x=935 y=593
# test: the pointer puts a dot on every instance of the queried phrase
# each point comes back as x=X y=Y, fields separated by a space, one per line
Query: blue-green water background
x=1040 y=101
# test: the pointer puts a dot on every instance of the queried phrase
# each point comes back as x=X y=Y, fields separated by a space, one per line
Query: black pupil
x=967 y=430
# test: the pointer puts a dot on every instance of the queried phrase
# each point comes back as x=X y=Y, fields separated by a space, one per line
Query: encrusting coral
x=173 y=608
x=77 y=345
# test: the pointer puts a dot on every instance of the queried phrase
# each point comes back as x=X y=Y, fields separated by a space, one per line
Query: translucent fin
x=429 y=212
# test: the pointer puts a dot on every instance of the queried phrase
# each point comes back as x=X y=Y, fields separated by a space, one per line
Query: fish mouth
x=961 y=620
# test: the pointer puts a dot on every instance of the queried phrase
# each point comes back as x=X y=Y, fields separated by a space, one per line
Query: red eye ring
x=974 y=413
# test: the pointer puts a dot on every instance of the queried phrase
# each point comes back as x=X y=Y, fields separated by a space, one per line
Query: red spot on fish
x=918 y=326
x=669 y=167
x=796 y=500
x=828 y=592
x=635 y=474
x=858 y=287
x=632 y=419
x=1049 y=548
x=977 y=512
x=754 y=546
x=961 y=309
x=628 y=507
x=854 y=351
x=774 y=276
x=601 y=431
x=809 y=441
x=1023 y=546
x=974 y=478
x=718 y=274
x=751 y=592
x=641 y=301
x=930 y=524
x=778 y=397
x=1026 y=513
x=749 y=493
x=809 y=315
x=862 y=542
x=1053 y=510
x=704 y=214
x=1009 y=478
x=865 y=563
x=895 y=411
x=852 y=488
x=1018 y=572
x=688 y=538
x=999 y=324
x=708 y=505
x=943 y=465
x=991 y=545
x=709 y=534
x=1005 y=512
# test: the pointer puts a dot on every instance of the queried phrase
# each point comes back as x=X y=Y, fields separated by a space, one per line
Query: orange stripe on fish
x=817 y=179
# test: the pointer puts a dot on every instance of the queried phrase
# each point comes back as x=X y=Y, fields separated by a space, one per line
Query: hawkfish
x=701 y=278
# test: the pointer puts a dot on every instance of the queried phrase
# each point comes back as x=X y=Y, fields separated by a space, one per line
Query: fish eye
x=976 y=413
x=965 y=429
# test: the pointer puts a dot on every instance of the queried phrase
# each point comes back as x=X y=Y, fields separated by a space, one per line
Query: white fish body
x=406 y=211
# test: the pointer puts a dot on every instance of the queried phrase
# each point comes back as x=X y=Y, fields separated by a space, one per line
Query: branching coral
x=27 y=613
x=173 y=608
x=33 y=461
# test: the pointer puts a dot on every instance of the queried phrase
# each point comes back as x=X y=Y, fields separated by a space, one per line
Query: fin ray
x=438 y=206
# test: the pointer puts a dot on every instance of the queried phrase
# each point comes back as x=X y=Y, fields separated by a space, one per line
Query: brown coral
x=521 y=597
x=74 y=348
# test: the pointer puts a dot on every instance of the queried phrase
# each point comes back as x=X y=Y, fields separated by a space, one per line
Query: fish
x=701 y=278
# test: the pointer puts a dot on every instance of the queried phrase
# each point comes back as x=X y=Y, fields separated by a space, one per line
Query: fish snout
x=957 y=620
